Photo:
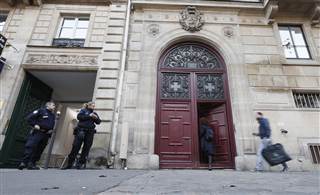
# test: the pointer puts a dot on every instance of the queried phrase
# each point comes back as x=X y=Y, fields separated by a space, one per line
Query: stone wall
x=260 y=79
x=30 y=27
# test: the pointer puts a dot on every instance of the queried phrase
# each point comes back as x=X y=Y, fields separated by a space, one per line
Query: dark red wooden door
x=191 y=74
x=222 y=152
x=175 y=135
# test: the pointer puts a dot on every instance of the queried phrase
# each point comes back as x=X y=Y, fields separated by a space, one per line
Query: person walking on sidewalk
x=264 y=134
x=206 y=140
x=42 y=122
x=83 y=134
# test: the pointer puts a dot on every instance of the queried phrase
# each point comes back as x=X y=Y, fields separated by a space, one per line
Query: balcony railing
x=62 y=42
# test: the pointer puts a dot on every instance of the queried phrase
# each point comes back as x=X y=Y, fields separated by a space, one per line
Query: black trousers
x=81 y=137
x=34 y=147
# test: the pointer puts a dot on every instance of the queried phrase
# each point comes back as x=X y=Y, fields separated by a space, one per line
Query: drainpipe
x=115 y=124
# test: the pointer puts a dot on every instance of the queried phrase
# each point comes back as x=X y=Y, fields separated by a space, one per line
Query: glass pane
x=83 y=23
x=285 y=37
x=66 y=33
x=3 y=18
x=297 y=36
x=1 y=26
x=289 y=52
x=81 y=33
x=302 y=52
x=69 y=22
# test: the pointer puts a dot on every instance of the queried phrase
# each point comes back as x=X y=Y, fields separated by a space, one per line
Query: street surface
x=109 y=181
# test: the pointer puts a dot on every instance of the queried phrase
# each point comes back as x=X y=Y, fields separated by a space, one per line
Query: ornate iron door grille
x=175 y=85
x=191 y=57
x=210 y=87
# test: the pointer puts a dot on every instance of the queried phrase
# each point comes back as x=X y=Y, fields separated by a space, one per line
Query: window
x=307 y=99
x=315 y=153
x=74 y=27
x=293 y=42
x=72 y=32
x=3 y=18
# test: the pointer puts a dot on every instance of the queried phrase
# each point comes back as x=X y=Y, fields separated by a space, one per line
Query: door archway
x=192 y=83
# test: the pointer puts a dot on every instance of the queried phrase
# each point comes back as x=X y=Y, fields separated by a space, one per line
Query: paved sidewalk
x=219 y=182
x=104 y=182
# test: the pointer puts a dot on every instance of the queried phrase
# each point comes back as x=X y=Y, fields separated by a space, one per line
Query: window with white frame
x=3 y=18
x=74 y=27
x=294 y=43
x=306 y=99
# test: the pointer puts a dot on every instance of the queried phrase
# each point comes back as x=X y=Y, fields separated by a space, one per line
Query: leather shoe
x=22 y=166
x=31 y=166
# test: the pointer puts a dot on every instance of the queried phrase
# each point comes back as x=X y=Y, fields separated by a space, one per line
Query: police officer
x=83 y=133
x=42 y=122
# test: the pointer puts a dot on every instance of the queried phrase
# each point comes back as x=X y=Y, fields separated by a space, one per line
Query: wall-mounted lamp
x=4 y=62
x=283 y=131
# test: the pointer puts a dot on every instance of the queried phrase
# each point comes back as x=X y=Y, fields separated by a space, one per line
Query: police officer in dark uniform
x=83 y=133
x=42 y=122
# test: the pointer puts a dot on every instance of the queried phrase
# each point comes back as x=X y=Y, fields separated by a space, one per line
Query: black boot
x=32 y=166
x=22 y=165
x=69 y=165
x=80 y=166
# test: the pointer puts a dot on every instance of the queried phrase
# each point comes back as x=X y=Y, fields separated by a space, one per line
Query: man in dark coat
x=206 y=140
x=264 y=134
x=83 y=133
x=42 y=122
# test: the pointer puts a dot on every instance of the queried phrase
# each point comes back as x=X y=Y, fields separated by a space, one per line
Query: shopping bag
x=275 y=154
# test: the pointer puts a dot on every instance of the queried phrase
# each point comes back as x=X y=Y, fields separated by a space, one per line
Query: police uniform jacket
x=86 y=121
x=42 y=117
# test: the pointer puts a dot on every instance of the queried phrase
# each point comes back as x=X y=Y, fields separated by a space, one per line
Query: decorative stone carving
x=61 y=59
x=228 y=31
x=153 y=29
x=191 y=19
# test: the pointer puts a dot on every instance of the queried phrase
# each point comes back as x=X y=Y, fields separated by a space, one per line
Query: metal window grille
x=315 y=153
x=307 y=99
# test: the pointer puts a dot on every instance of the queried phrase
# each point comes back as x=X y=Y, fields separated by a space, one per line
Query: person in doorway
x=42 y=122
x=206 y=140
x=264 y=134
x=83 y=134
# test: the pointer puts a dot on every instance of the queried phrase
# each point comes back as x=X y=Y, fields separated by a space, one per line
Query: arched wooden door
x=192 y=83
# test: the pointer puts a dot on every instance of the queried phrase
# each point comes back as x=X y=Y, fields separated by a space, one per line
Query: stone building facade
x=156 y=68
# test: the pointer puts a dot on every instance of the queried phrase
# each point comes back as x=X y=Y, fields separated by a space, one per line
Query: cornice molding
x=315 y=14
x=217 y=4
x=271 y=11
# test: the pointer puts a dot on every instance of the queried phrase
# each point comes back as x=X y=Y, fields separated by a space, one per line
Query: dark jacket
x=85 y=120
x=206 y=146
x=264 y=128
x=42 y=117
